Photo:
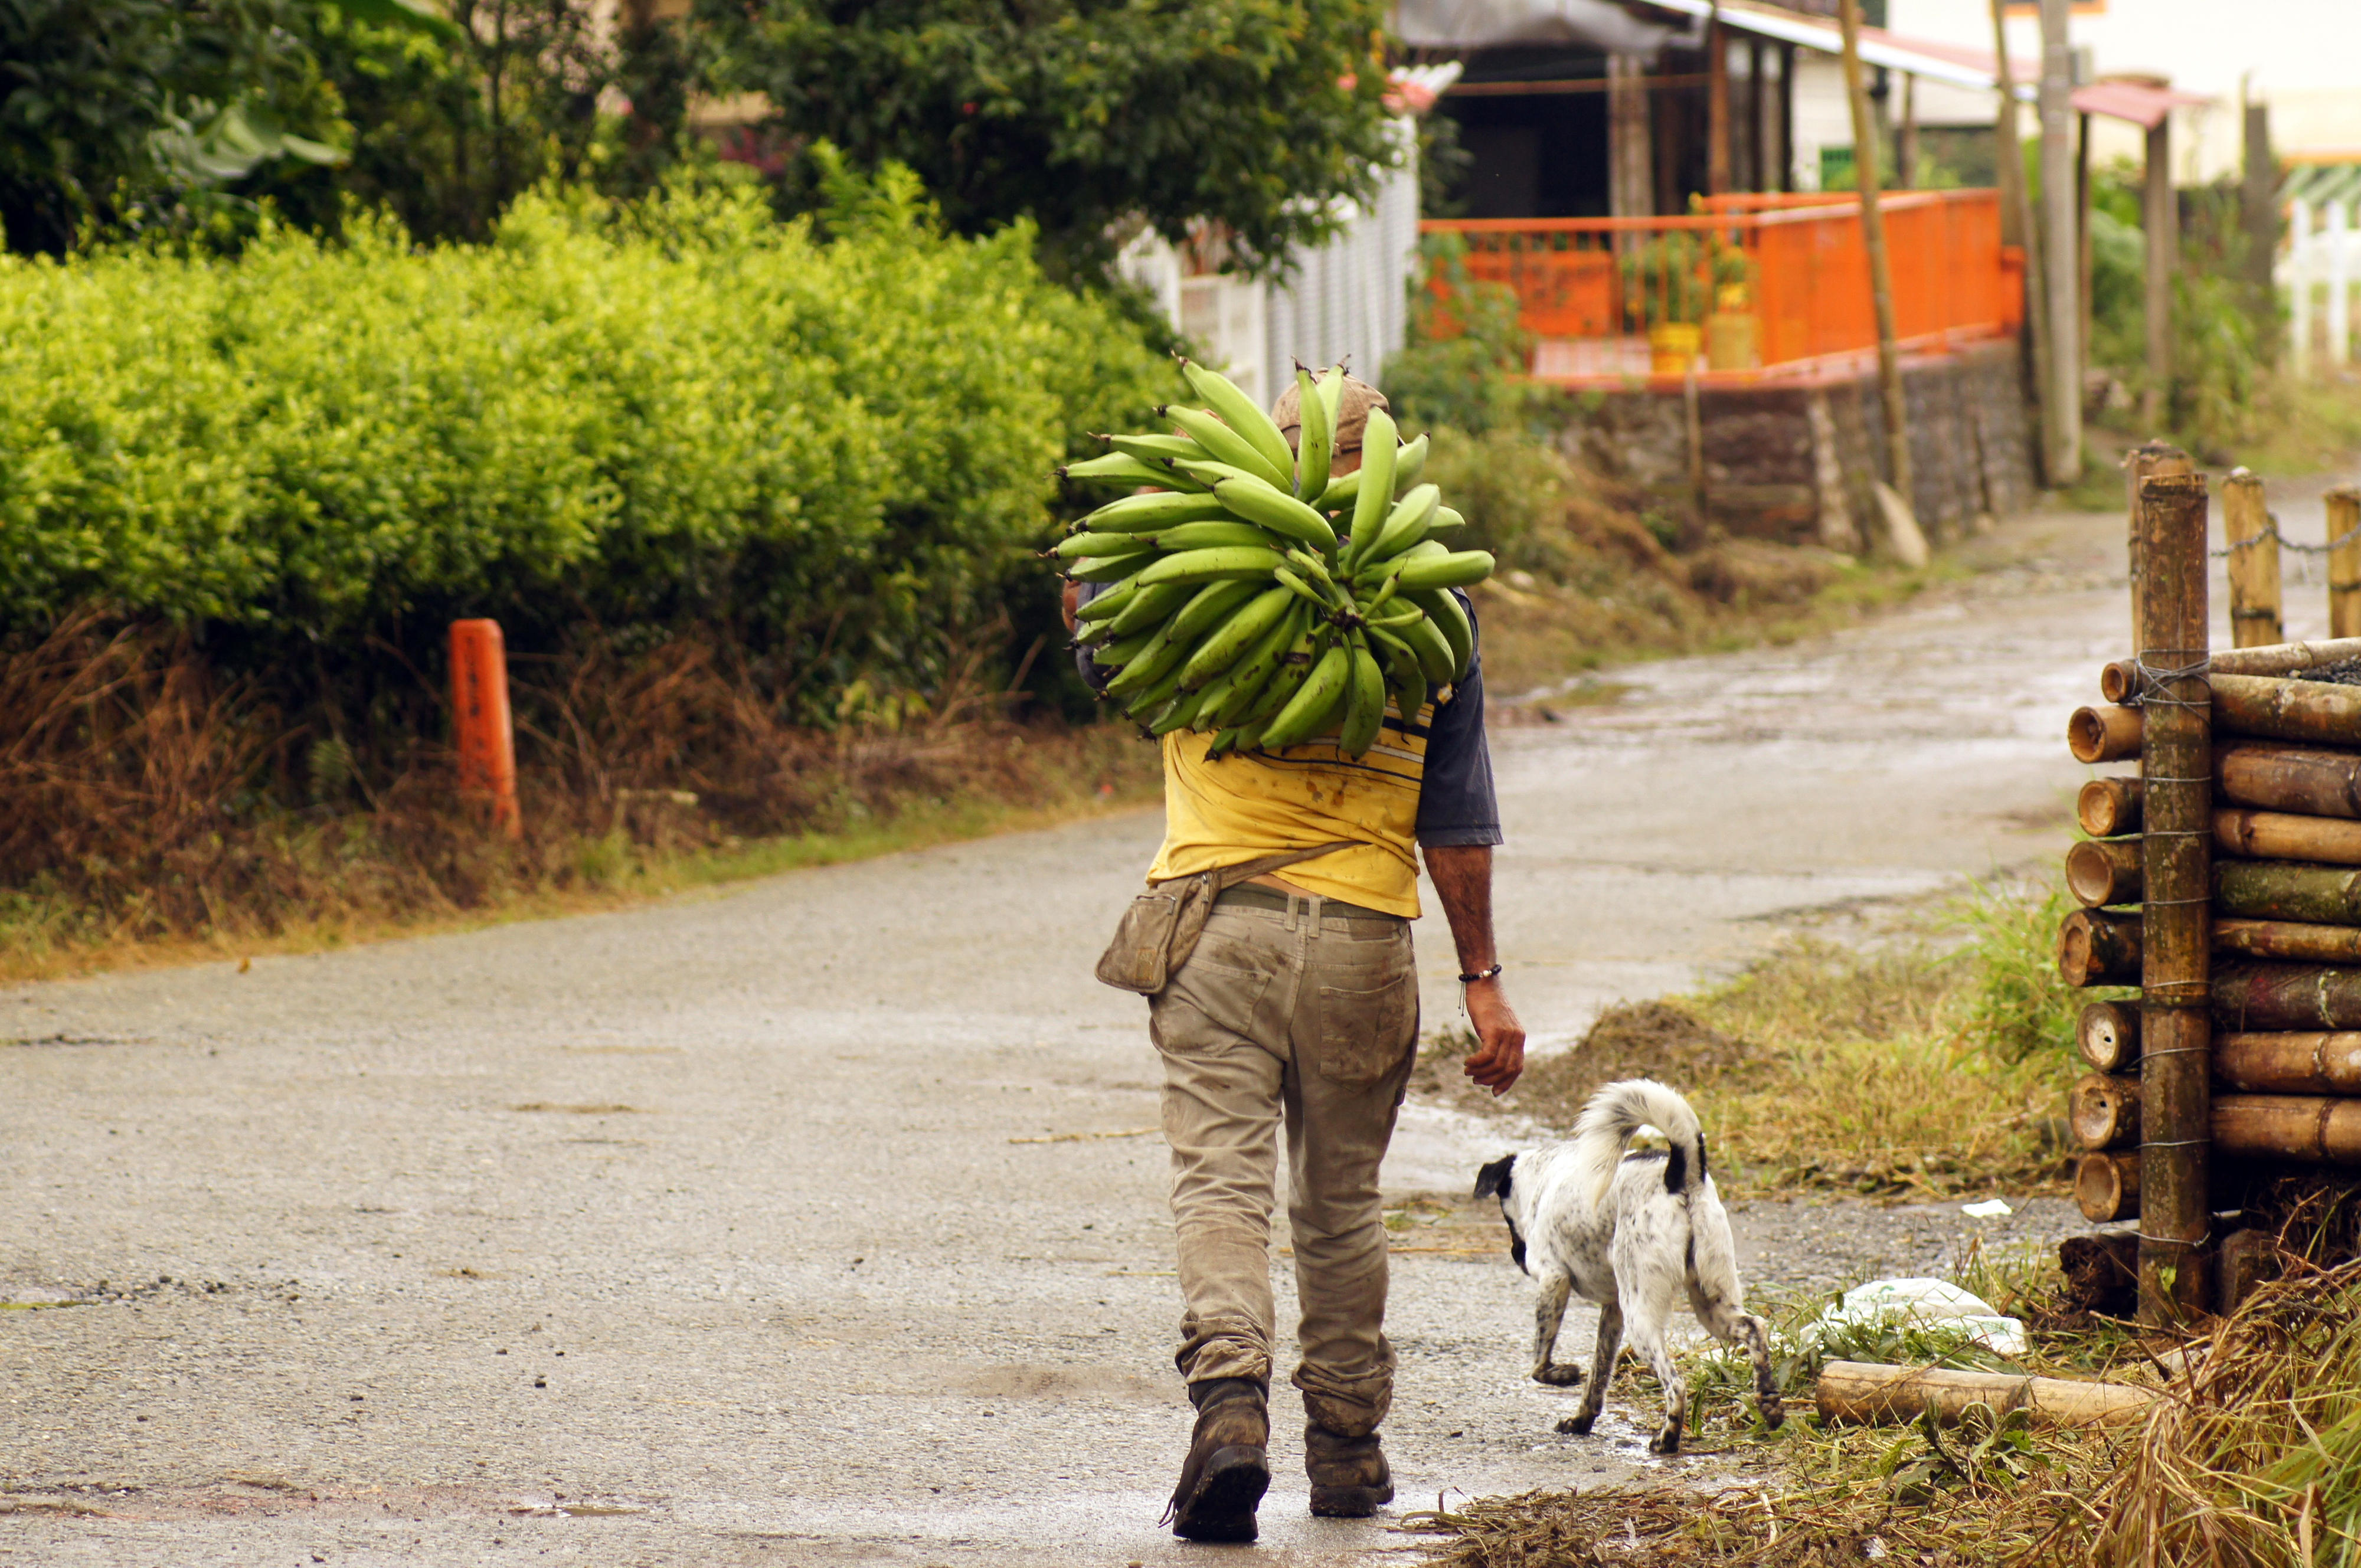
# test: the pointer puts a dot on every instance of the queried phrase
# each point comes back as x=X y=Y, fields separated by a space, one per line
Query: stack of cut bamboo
x=2226 y=882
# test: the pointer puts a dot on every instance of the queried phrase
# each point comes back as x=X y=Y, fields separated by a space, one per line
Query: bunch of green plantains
x=1238 y=608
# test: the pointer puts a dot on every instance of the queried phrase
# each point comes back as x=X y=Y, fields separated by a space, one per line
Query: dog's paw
x=1665 y=1442
x=1559 y=1375
x=1774 y=1414
x=1576 y=1426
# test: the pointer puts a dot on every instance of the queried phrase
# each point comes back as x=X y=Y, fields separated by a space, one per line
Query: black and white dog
x=1628 y=1232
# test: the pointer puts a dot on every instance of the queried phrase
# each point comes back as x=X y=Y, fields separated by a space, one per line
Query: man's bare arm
x=1463 y=878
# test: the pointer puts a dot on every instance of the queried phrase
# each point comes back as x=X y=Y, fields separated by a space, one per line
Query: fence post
x=2340 y=286
x=2176 y=852
x=2299 y=286
x=2150 y=457
x=2254 y=564
x=2344 y=504
x=481 y=730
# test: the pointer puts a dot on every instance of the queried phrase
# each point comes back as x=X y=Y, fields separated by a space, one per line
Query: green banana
x=1227 y=445
x=1228 y=643
x=1152 y=700
x=1406 y=524
x=1242 y=414
x=1426 y=639
x=1242 y=561
x=1408 y=465
x=1165 y=653
x=1149 y=606
x=1074 y=546
x=1208 y=606
x=1445 y=520
x=1300 y=588
x=1177 y=714
x=1109 y=604
x=1154 y=449
x=1341 y=492
x=1223 y=744
x=1316 y=437
x=1441 y=608
x=1208 y=473
x=1254 y=672
x=1332 y=396
x=1204 y=535
x=1408 y=681
x=1276 y=510
x=1163 y=508
x=1122 y=650
x=1123 y=468
x=1376 y=495
x=1457 y=569
x=1364 y=702
x=1307 y=712
x=1102 y=569
x=1377 y=570
x=1294 y=668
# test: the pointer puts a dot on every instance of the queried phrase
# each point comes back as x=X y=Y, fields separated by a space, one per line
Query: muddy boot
x=1349 y=1478
x=1229 y=1465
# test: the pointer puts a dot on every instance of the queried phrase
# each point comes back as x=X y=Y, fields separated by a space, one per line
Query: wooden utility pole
x=2017 y=222
x=1716 y=140
x=2062 y=402
x=1758 y=121
x=2162 y=217
x=2257 y=198
x=2176 y=957
x=1881 y=273
x=1906 y=142
x=1631 y=157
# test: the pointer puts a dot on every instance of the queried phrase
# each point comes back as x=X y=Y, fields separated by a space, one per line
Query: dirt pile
x=1634 y=1040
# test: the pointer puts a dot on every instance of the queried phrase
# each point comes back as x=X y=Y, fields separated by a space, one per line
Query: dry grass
x=1931 y=1064
x=151 y=811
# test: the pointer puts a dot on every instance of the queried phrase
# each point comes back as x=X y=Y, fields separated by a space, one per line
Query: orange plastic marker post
x=481 y=730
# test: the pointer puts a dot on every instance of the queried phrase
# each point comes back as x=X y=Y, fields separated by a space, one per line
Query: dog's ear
x=1493 y=1180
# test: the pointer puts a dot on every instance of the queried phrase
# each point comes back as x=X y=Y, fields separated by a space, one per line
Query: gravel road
x=818 y=1221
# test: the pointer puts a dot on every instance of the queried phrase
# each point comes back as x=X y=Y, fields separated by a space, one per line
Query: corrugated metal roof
x=2142 y=104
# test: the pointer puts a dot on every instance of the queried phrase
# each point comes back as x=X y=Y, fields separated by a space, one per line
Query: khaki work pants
x=1309 y=1019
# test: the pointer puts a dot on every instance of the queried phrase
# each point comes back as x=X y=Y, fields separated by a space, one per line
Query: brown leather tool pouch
x=1160 y=928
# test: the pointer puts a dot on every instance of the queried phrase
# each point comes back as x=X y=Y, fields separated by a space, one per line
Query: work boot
x=1349 y=1477
x=1228 y=1467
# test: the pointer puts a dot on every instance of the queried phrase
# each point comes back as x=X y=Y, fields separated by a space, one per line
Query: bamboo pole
x=2103 y=734
x=2097 y=949
x=2107 y=1187
x=2107 y=1033
x=2107 y=807
x=2314 y=1129
x=2292 y=941
x=2143 y=462
x=2289 y=778
x=1869 y=1393
x=2277 y=708
x=1880 y=272
x=2119 y=680
x=2061 y=401
x=2343 y=561
x=2103 y=1111
x=1717 y=106
x=2284 y=836
x=2273 y=890
x=2017 y=226
x=2160 y=218
x=2100 y=872
x=2287 y=657
x=2253 y=562
x=2256 y=997
x=2298 y=1063
x=2176 y=763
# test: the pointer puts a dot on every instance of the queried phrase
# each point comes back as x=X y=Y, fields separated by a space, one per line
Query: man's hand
x=1501 y=1050
x=1463 y=879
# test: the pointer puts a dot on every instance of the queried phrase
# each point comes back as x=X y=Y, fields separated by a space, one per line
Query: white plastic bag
x=1935 y=1306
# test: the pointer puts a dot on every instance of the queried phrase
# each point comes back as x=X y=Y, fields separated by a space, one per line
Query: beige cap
x=1352 y=412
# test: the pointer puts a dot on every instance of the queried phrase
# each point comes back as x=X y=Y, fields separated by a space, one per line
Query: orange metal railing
x=1763 y=286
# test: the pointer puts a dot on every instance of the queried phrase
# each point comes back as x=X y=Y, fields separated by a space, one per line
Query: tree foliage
x=1074 y=113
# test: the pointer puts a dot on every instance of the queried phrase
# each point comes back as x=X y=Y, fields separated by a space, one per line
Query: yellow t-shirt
x=1242 y=808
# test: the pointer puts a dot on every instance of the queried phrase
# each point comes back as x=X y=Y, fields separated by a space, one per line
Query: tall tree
x=1077 y=113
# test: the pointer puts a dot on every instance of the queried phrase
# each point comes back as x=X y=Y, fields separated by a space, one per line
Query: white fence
x=2319 y=270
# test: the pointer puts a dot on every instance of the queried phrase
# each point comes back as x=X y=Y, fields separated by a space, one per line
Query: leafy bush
x=1464 y=362
x=664 y=413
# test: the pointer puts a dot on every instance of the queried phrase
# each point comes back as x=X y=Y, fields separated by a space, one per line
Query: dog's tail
x=1619 y=1110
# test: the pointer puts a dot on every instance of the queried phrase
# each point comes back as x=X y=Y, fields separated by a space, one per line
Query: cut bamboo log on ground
x=2097 y=949
x=2313 y=1129
x=2275 y=708
x=2107 y=1034
x=2253 y=562
x=2105 y=870
x=2264 y=998
x=2102 y=1270
x=2107 y=1187
x=2288 y=941
x=2274 y=777
x=2286 y=658
x=2176 y=938
x=1869 y=1394
x=2315 y=1063
x=2103 y=734
x=2107 y=808
x=2103 y=1111
x=2282 y=890
x=2344 y=504
x=2284 y=836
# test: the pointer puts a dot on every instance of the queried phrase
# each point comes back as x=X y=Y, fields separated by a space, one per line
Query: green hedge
x=680 y=411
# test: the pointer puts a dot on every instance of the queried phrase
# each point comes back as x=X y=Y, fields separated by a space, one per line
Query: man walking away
x=1298 y=1007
